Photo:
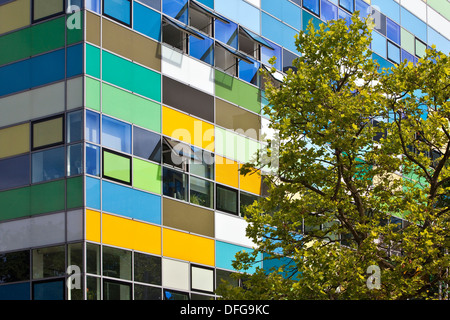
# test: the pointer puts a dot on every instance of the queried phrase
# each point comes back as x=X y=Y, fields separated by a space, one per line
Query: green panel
x=74 y=192
x=75 y=27
x=14 y=203
x=234 y=146
x=307 y=17
x=92 y=94
x=116 y=167
x=93 y=61
x=18 y=44
x=441 y=6
x=146 y=176
x=48 y=36
x=238 y=92
x=130 y=76
x=420 y=48
x=407 y=41
x=140 y=111
x=48 y=197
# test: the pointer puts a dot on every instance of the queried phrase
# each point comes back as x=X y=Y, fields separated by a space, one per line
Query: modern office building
x=123 y=125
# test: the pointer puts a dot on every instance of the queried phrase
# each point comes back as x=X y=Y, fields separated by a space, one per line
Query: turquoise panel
x=225 y=255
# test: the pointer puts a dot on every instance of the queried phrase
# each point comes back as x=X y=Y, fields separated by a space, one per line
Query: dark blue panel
x=14 y=172
x=18 y=291
x=147 y=21
x=130 y=202
x=15 y=77
x=52 y=290
x=74 y=60
x=48 y=68
x=393 y=31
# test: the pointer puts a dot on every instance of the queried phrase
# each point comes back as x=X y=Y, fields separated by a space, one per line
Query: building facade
x=123 y=125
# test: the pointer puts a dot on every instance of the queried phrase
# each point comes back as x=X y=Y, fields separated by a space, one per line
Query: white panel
x=187 y=70
x=438 y=22
x=32 y=104
x=417 y=7
x=231 y=229
x=74 y=93
x=74 y=225
x=32 y=232
x=175 y=274
x=256 y=3
x=202 y=279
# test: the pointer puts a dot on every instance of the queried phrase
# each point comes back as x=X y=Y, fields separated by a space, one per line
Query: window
x=92 y=160
x=226 y=199
x=155 y=4
x=201 y=163
x=47 y=132
x=116 y=166
x=227 y=32
x=15 y=266
x=117 y=263
x=312 y=5
x=176 y=154
x=175 y=295
x=14 y=172
x=249 y=72
x=202 y=49
x=246 y=199
x=393 y=52
x=48 y=165
x=45 y=9
x=226 y=59
x=74 y=159
x=118 y=10
x=74 y=126
x=116 y=134
x=200 y=18
x=48 y=262
x=250 y=43
x=202 y=279
x=177 y=34
x=147 y=268
x=115 y=290
x=329 y=11
x=146 y=292
x=347 y=5
x=92 y=127
x=420 y=48
x=177 y=9
x=175 y=184
x=393 y=31
x=201 y=192
x=146 y=144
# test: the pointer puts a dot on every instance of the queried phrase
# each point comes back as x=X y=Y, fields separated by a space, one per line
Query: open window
x=227 y=59
x=177 y=34
x=202 y=18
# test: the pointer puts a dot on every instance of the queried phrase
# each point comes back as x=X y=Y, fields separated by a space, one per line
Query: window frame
x=236 y=191
x=33 y=20
x=121 y=155
x=63 y=133
x=117 y=20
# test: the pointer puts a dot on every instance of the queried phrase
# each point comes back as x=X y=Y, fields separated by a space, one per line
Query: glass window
x=146 y=293
x=48 y=165
x=363 y=8
x=201 y=192
x=146 y=144
x=49 y=262
x=175 y=184
x=276 y=52
x=92 y=160
x=74 y=159
x=147 y=268
x=345 y=16
x=119 y=10
x=202 y=279
x=92 y=258
x=74 y=126
x=379 y=44
x=347 y=5
x=147 y=21
x=48 y=290
x=93 y=288
x=249 y=71
x=92 y=126
x=200 y=19
x=225 y=59
x=328 y=11
x=202 y=163
x=14 y=172
x=408 y=56
x=116 y=166
x=246 y=199
x=43 y=9
x=117 y=263
x=116 y=134
x=114 y=290
x=47 y=132
x=15 y=266
x=312 y=5
x=393 y=31
x=227 y=33
x=288 y=59
x=202 y=49
x=226 y=199
x=177 y=9
x=175 y=154
x=175 y=295
x=393 y=52
x=155 y=4
x=420 y=48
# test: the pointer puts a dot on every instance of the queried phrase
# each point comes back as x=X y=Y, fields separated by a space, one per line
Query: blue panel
x=249 y=72
x=116 y=134
x=442 y=43
x=379 y=44
x=345 y=16
x=363 y=8
x=312 y=5
x=18 y=291
x=267 y=53
x=15 y=172
x=393 y=52
x=93 y=5
x=241 y=12
x=347 y=4
x=408 y=56
x=52 y=290
x=208 y=3
x=132 y=203
x=15 y=77
x=93 y=193
x=48 y=68
x=389 y=7
x=147 y=21
x=227 y=33
x=283 y=10
x=177 y=9
x=287 y=265
x=202 y=49
x=74 y=60
x=413 y=24
x=382 y=62
x=92 y=132
x=92 y=160
x=393 y=31
x=225 y=255
x=328 y=11
x=278 y=32
x=119 y=10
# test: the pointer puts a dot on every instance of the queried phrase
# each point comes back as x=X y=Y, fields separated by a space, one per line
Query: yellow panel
x=227 y=171
x=184 y=246
x=93 y=226
x=47 y=132
x=188 y=129
x=131 y=234
x=14 y=140
x=251 y=182
x=14 y=15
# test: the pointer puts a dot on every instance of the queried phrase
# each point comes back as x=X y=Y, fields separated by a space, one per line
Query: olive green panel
x=93 y=61
x=15 y=15
x=187 y=217
x=92 y=94
x=75 y=192
x=140 y=111
x=47 y=197
x=92 y=28
x=146 y=176
x=238 y=92
x=14 y=203
x=131 y=76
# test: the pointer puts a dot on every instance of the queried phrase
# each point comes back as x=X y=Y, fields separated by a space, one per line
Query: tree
x=362 y=176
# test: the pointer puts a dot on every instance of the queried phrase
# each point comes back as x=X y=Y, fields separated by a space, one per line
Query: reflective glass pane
x=92 y=258
x=147 y=268
x=393 y=52
x=156 y=4
x=227 y=33
x=175 y=295
x=75 y=162
x=267 y=53
x=14 y=172
x=93 y=5
x=49 y=262
x=246 y=199
x=119 y=10
x=146 y=144
x=226 y=199
x=15 y=266
x=393 y=31
x=48 y=165
x=117 y=263
x=116 y=134
x=47 y=8
x=249 y=71
x=202 y=163
x=175 y=154
x=74 y=126
x=201 y=192
x=113 y=290
x=363 y=8
x=328 y=11
x=202 y=49
x=92 y=127
x=177 y=9
x=347 y=4
x=175 y=184
x=92 y=160
x=312 y=5
x=146 y=292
